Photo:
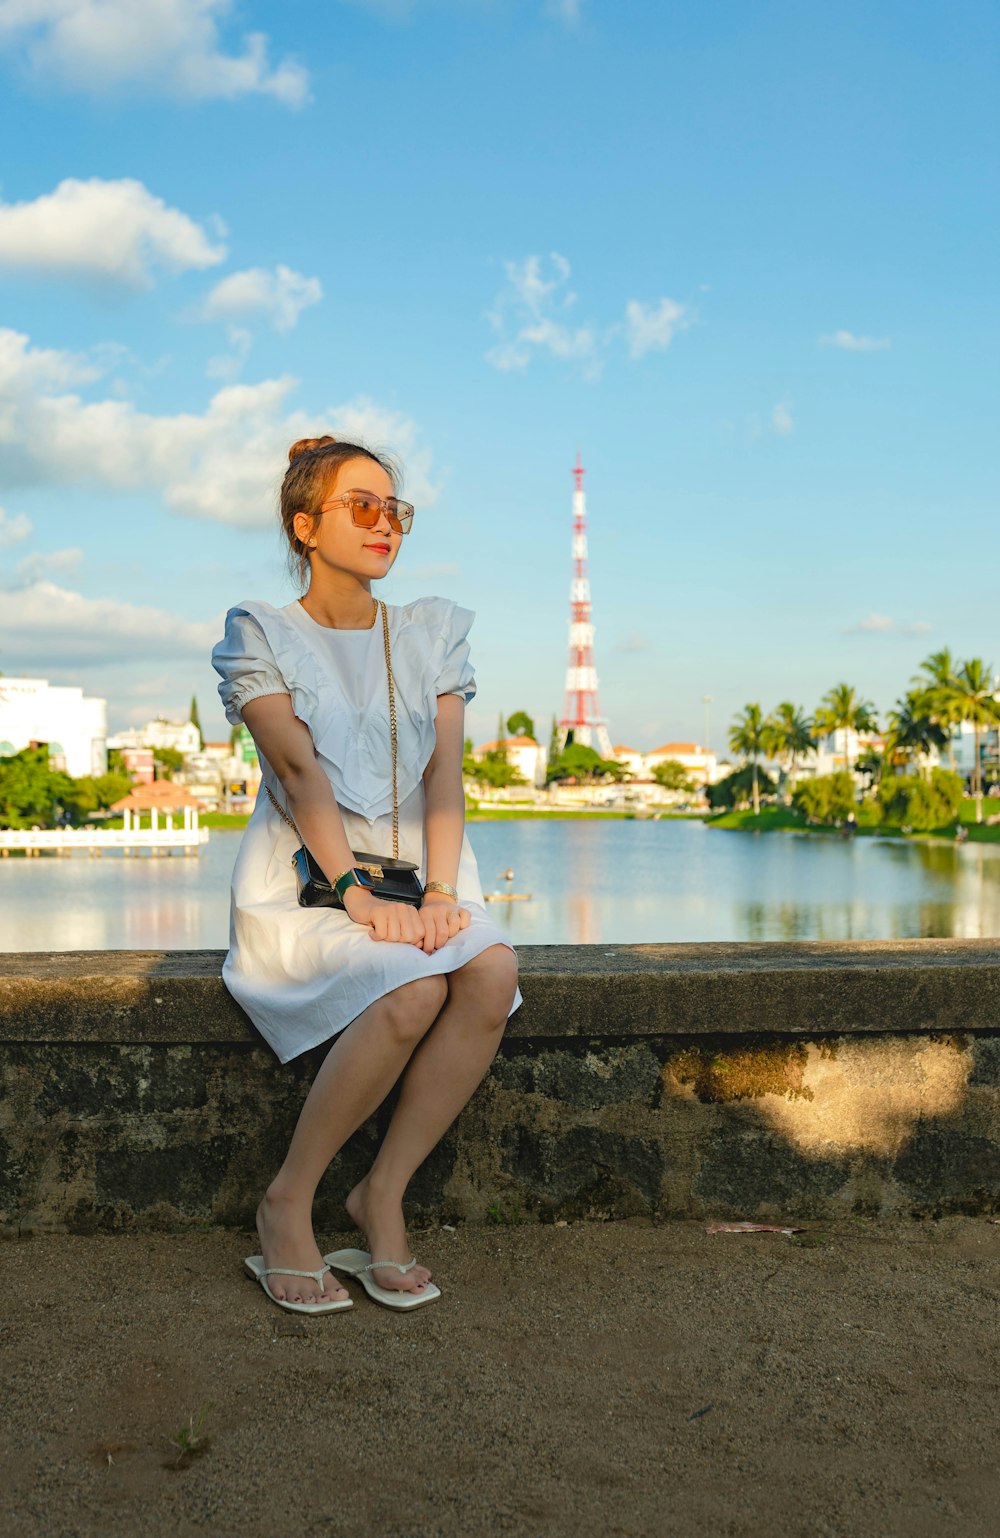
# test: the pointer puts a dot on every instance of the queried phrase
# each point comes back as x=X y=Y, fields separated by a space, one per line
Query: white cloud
x=112 y=230
x=223 y=464
x=534 y=305
x=13 y=529
x=40 y=564
x=873 y=624
x=228 y=365
x=167 y=47
x=637 y=641
x=881 y=624
x=428 y=573
x=564 y=10
x=781 y=418
x=852 y=343
x=652 y=327
x=280 y=296
x=43 y=623
x=531 y=315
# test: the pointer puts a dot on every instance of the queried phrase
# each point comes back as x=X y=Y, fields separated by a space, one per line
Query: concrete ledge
x=742 y=1080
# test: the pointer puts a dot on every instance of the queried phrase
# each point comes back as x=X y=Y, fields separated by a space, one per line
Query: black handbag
x=394 y=880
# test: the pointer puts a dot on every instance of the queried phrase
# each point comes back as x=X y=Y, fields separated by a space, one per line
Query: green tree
x=672 y=775
x=828 y=797
x=195 y=721
x=738 y=788
x=971 y=695
x=585 y=765
x=501 y=747
x=746 y=739
x=914 y=729
x=554 y=741
x=520 y=724
x=843 y=709
x=31 y=792
x=921 y=801
x=787 y=736
x=166 y=762
x=934 y=684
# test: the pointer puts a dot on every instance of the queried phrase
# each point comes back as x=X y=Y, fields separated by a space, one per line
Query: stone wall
x=741 y=1081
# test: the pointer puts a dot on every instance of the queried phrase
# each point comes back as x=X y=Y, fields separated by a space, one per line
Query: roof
x=508 y=742
x=165 y=795
x=622 y=747
x=680 y=747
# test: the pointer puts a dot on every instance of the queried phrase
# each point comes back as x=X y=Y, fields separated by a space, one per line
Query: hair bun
x=308 y=446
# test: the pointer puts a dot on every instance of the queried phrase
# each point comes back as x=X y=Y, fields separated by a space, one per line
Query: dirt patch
x=618 y=1379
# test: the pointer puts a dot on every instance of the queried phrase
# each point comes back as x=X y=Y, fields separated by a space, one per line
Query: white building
x=182 y=736
x=524 y=754
x=74 y=725
x=700 y=763
x=838 y=750
x=631 y=758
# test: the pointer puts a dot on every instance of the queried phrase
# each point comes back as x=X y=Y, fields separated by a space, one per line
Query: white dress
x=303 y=974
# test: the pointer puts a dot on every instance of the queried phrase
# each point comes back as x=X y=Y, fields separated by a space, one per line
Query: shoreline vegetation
x=788 y=819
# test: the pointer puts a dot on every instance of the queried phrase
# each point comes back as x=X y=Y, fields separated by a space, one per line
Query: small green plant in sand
x=496 y=1213
x=190 y=1440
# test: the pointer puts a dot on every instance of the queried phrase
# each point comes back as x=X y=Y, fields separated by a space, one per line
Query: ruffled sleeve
x=455 y=674
x=245 y=664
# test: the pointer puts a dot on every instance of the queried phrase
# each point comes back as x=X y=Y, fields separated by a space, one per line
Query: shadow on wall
x=155 y=1130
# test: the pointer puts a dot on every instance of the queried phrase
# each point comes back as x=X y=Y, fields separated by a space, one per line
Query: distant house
x=633 y=760
x=700 y=763
x=71 y=724
x=524 y=754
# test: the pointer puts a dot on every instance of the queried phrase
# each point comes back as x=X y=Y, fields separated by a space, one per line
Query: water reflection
x=592 y=883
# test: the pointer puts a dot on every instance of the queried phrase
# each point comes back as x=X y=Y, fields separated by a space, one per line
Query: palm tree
x=935 y=684
x=746 y=738
x=972 y=696
x=914 y=728
x=786 y=734
x=842 y=708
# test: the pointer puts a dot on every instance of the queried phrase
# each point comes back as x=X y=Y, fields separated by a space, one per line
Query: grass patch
x=190 y=1441
x=770 y=819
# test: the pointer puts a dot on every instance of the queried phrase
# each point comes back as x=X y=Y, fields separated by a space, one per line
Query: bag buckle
x=374 y=871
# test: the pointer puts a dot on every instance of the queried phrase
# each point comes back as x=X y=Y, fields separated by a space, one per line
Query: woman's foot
x=286 y=1239
x=380 y=1219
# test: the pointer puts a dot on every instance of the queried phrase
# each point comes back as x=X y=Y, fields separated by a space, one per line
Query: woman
x=396 y=987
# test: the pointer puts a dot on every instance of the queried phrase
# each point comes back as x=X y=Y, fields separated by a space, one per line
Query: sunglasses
x=367 y=509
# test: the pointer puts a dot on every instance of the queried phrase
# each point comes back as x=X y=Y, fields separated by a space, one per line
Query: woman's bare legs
x=442 y=1075
x=358 y=1072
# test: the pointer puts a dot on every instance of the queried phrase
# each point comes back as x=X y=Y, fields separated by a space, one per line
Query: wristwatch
x=353 y=877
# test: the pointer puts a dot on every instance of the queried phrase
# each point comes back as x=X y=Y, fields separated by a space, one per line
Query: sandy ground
x=614 y=1378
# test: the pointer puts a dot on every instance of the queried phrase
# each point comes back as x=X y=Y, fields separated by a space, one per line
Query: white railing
x=59 y=840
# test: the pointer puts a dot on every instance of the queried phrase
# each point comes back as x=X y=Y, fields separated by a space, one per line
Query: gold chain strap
x=392 y=724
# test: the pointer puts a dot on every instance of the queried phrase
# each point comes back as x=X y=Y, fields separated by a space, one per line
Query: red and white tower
x=581 y=712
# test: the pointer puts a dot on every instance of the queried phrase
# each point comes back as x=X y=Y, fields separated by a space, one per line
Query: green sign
x=248 y=748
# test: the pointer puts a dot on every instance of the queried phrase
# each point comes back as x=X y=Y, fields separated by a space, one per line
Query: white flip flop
x=360 y=1264
x=256 y=1267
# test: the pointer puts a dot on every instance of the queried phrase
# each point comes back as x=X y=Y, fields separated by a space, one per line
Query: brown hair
x=313 y=466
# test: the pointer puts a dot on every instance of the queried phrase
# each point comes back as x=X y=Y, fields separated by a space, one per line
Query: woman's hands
x=430 y=926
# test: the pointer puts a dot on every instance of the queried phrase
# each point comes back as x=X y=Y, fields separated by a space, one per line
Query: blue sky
x=742 y=255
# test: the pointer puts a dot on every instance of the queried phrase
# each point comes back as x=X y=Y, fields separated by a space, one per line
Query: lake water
x=592 y=882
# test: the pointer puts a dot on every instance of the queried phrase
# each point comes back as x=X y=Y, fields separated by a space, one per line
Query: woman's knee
x=491 y=978
x=411 y=1009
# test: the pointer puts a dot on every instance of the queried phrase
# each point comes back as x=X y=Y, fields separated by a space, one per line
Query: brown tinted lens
x=400 y=515
x=365 y=510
